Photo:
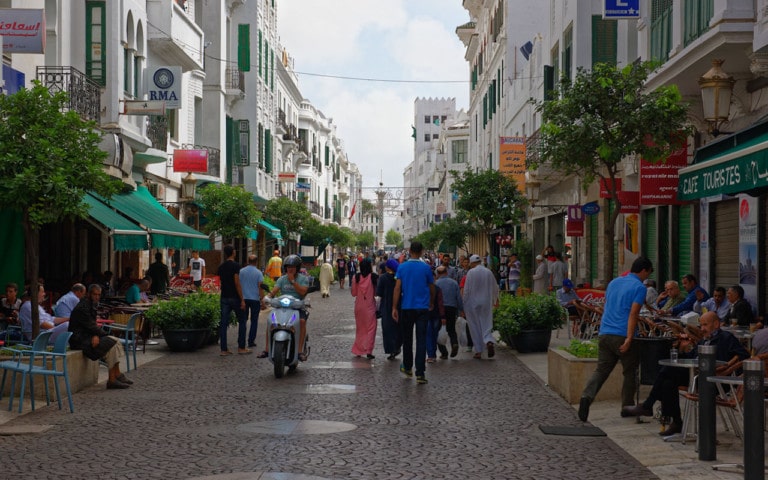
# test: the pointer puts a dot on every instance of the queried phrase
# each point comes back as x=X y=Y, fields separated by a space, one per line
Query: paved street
x=200 y=415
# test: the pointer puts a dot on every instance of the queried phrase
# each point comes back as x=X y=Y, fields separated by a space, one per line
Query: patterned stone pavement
x=198 y=415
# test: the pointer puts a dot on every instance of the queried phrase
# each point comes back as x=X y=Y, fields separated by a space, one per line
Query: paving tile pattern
x=181 y=418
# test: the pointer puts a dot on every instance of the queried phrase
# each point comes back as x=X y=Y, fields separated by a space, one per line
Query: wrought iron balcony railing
x=157 y=131
x=84 y=93
x=235 y=79
x=214 y=158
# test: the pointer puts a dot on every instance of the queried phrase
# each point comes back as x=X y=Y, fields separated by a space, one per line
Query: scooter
x=284 y=325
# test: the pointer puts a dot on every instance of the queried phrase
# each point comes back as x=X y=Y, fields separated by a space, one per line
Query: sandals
x=302 y=357
x=263 y=354
x=491 y=349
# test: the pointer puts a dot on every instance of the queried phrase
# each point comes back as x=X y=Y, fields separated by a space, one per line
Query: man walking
x=623 y=299
x=451 y=302
x=481 y=294
x=415 y=283
x=196 y=269
x=250 y=283
x=232 y=300
x=275 y=266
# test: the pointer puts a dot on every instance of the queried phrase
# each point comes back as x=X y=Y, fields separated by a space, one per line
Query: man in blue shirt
x=415 y=283
x=623 y=299
x=691 y=285
x=68 y=302
x=250 y=282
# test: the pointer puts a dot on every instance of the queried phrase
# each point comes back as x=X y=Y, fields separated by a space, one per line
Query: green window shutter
x=498 y=87
x=696 y=17
x=650 y=243
x=244 y=47
x=327 y=156
x=229 y=135
x=661 y=29
x=684 y=239
x=549 y=82
x=485 y=110
x=266 y=62
x=272 y=72
x=604 y=40
x=260 y=140
x=268 y=150
x=96 y=41
x=261 y=62
x=242 y=143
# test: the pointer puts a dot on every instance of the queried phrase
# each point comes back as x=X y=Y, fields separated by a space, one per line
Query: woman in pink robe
x=364 y=289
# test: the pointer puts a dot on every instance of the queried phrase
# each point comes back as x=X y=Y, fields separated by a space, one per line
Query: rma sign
x=164 y=83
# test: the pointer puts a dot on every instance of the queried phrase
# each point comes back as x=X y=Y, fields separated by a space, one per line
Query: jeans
x=450 y=324
x=252 y=309
x=433 y=328
x=608 y=356
x=229 y=305
x=408 y=320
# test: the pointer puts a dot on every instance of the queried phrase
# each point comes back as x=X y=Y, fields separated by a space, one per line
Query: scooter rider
x=297 y=286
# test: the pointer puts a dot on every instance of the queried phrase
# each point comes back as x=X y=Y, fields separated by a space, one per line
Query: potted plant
x=186 y=321
x=527 y=322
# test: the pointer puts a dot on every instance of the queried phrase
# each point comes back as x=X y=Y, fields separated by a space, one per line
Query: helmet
x=292 y=261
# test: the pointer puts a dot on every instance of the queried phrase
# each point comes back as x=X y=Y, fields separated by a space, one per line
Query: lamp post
x=716 y=89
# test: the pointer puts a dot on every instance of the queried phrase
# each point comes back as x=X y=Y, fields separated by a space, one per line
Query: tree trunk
x=31 y=268
x=609 y=234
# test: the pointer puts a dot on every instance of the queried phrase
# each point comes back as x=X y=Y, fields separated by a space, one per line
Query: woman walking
x=364 y=290
x=390 y=330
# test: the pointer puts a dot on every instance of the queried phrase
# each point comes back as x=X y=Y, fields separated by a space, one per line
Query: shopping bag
x=461 y=331
x=442 y=336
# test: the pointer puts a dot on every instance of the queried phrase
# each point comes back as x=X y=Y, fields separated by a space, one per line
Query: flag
x=352 y=213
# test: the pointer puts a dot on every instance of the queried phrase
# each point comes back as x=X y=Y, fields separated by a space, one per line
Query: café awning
x=164 y=230
x=742 y=168
x=272 y=230
x=125 y=234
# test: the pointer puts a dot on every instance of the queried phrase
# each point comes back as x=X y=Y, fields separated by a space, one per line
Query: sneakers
x=584 y=404
x=421 y=379
x=407 y=373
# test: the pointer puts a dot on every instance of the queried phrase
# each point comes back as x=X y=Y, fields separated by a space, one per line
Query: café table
x=692 y=364
x=143 y=307
x=742 y=333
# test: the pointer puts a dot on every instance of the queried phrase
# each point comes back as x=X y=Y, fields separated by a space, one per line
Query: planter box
x=567 y=375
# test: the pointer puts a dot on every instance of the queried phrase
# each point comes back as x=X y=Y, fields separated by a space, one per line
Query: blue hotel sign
x=621 y=9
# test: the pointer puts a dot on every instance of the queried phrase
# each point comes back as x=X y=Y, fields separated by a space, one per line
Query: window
x=604 y=40
x=96 y=42
x=435 y=120
x=173 y=124
x=661 y=29
x=435 y=136
x=696 y=15
x=459 y=151
x=426 y=137
x=567 y=52
x=443 y=118
x=426 y=118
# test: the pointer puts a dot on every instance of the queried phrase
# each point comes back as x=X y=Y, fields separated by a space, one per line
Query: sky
x=411 y=40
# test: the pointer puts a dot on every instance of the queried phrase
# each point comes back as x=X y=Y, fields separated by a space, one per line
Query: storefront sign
x=614 y=9
x=630 y=202
x=164 y=84
x=288 y=177
x=659 y=181
x=190 y=161
x=22 y=30
x=512 y=154
x=303 y=187
x=604 y=190
x=575 y=213
x=591 y=208
x=748 y=257
x=739 y=171
x=574 y=228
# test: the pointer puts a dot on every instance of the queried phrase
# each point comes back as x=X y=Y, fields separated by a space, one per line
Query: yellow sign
x=512 y=159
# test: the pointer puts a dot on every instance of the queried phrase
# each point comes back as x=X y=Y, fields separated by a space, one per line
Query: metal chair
x=129 y=337
x=49 y=367
x=23 y=362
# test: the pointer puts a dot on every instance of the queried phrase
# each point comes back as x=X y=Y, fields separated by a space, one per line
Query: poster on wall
x=512 y=154
x=748 y=260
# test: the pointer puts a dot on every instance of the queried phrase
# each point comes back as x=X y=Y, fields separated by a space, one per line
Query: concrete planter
x=83 y=373
x=567 y=375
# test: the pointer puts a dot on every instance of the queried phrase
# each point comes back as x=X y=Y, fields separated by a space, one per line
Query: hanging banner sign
x=288 y=177
x=574 y=228
x=630 y=202
x=22 y=30
x=604 y=183
x=659 y=181
x=591 y=208
x=575 y=213
x=143 y=107
x=303 y=187
x=512 y=154
x=164 y=84
x=190 y=161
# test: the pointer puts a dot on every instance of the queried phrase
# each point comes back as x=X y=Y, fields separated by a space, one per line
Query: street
x=199 y=415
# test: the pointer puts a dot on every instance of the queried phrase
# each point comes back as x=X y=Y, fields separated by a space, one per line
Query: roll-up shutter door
x=650 y=241
x=685 y=240
x=725 y=242
x=663 y=268
x=593 y=223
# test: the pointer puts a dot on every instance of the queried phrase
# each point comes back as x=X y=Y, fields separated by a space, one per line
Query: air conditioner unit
x=157 y=190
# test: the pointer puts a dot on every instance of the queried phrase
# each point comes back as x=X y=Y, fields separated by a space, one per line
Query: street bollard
x=754 y=418
x=706 y=438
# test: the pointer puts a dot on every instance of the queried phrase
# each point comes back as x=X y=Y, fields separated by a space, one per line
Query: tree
x=49 y=159
x=393 y=237
x=290 y=216
x=455 y=231
x=603 y=116
x=365 y=240
x=488 y=199
x=229 y=209
x=429 y=239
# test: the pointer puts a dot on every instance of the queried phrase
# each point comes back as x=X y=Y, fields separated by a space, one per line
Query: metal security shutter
x=592 y=240
x=664 y=267
x=684 y=240
x=725 y=242
x=649 y=247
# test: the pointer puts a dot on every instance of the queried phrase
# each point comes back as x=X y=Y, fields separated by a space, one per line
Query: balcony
x=214 y=158
x=235 y=81
x=315 y=208
x=84 y=93
x=282 y=123
x=174 y=36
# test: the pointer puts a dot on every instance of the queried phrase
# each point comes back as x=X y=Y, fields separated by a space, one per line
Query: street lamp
x=188 y=186
x=532 y=189
x=716 y=89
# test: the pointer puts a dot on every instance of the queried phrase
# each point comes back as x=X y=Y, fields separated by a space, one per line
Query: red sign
x=574 y=228
x=659 y=181
x=591 y=295
x=190 y=161
x=604 y=183
x=630 y=202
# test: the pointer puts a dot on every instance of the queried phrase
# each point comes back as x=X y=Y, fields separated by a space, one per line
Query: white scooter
x=284 y=328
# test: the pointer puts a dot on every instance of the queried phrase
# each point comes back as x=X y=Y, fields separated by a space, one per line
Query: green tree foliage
x=343 y=237
x=430 y=239
x=455 y=231
x=603 y=116
x=314 y=232
x=488 y=199
x=229 y=209
x=290 y=216
x=365 y=240
x=393 y=237
x=49 y=159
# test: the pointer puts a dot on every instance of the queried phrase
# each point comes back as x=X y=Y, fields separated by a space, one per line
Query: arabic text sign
x=190 y=161
x=512 y=155
x=22 y=30
x=724 y=176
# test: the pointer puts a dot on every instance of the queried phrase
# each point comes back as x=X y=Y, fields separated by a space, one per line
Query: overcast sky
x=381 y=39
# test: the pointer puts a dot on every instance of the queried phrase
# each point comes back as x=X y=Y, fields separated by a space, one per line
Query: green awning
x=272 y=230
x=164 y=230
x=125 y=234
x=740 y=169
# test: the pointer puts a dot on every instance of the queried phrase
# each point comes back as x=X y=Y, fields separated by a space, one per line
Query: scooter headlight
x=285 y=302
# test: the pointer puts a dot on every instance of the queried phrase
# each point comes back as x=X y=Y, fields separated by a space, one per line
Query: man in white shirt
x=196 y=268
x=57 y=325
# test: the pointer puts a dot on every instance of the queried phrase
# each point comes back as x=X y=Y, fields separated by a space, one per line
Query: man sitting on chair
x=93 y=341
x=48 y=323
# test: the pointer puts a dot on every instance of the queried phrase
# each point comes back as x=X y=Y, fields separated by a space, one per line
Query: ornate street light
x=716 y=89
x=188 y=185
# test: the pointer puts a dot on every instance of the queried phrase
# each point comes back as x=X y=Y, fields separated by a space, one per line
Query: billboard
x=512 y=155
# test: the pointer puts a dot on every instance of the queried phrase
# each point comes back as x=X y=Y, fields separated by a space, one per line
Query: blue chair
x=129 y=338
x=50 y=368
x=23 y=362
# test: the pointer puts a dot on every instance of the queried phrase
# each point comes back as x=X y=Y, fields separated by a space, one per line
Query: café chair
x=128 y=336
x=23 y=362
x=50 y=367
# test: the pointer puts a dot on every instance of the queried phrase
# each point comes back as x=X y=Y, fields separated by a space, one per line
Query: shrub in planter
x=196 y=311
x=518 y=316
x=582 y=348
